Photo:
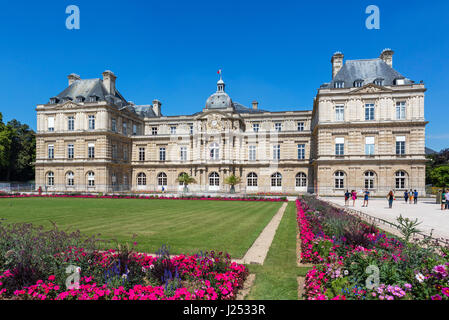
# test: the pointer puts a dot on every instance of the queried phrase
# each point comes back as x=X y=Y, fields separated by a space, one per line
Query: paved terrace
x=426 y=211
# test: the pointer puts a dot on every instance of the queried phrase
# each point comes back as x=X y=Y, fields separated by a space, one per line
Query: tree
x=185 y=179
x=440 y=176
x=233 y=180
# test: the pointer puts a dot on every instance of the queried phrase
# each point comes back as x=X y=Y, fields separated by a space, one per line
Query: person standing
x=366 y=198
x=443 y=199
x=354 y=197
x=390 y=198
x=415 y=196
x=347 y=195
x=447 y=199
x=406 y=196
x=410 y=196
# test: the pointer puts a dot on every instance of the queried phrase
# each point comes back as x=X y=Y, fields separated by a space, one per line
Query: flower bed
x=357 y=261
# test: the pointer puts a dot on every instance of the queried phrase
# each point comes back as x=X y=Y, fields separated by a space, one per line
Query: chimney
x=387 y=56
x=337 y=63
x=72 y=78
x=157 y=107
x=109 y=82
x=255 y=104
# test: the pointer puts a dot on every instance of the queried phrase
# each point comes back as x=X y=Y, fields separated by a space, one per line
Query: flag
x=219 y=71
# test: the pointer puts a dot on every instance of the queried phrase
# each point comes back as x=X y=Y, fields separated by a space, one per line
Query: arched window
x=214 y=151
x=252 y=179
x=162 y=179
x=70 y=178
x=141 y=179
x=50 y=178
x=301 y=179
x=276 y=179
x=90 y=179
x=369 y=179
x=214 y=179
x=339 y=179
x=401 y=179
x=180 y=175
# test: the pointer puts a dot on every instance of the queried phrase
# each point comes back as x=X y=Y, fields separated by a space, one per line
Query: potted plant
x=232 y=180
x=185 y=179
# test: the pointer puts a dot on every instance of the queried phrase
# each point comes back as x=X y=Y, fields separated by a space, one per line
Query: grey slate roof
x=239 y=108
x=145 y=111
x=367 y=70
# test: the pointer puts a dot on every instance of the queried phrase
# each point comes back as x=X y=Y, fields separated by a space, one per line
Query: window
x=70 y=178
x=70 y=151
x=252 y=179
x=400 y=145
x=339 y=180
x=51 y=151
x=358 y=83
x=369 y=146
x=172 y=130
x=369 y=180
x=277 y=152
x=339 y=84
x=183 y=153
x=114 y=125
x=256 y=127
x=134 y=129
x=114 y=151
x=278 y=126
x=276 y=180
x=369 y=111
x=141 y=154
x=154 y=131
x=339 y=113
x=400 y=179
x=114 y=179
x=54 y=100
x=252 y=153
x=71 y=123
x=50 y=179
x=300 y=126
x=90 y=179
x=379 y=82
x=301 y=179
x=400 y=110
x=339 y=146
x=214 y=151
x=214 y=179
x=191 y=129
x=125 y=128
x=162 y=179
x=301 y=151
x=91 y=151
x=51 y=124
x=93 y=99
x=162 y=154
x=125 y=153
x=91 y=122
x=141 y=179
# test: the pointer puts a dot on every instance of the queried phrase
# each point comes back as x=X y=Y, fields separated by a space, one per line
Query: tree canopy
x=437 y=170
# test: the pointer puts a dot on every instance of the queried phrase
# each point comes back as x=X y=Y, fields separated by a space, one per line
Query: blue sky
x=277 y=52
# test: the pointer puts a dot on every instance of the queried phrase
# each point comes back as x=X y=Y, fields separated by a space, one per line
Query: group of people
x=353 y=195
x=444 y=199
x=409 y=197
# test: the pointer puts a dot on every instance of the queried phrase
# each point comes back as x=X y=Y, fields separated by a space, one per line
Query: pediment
x=370 y=88
x=66 y=105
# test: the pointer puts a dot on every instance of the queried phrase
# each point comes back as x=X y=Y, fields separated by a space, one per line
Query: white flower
x=420 y=277
x=152 y=266
x=124 y=276
x=78 y=270
x=346 y=272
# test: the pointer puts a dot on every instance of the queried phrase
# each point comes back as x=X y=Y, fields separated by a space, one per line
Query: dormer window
x=339 y=84
x=93 y=99
x=65 y=99
x=400 y=81
x=358 y=83
x=379 y=82
x=54 y=100
x=80 y=99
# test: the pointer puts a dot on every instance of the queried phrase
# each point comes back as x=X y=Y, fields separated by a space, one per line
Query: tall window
x=214 y=151
x=70 y=151
x=252 y=153
x=51 y=151
x=172 y=130
x=162 y=154
x=276 y=180
x=71 y=123
x=278 y=126
x=339 y=180
x=256 y=127
x=252 y=179
x=369 y=111
x=70 y=178
x=214 y=179
x=114 y=151
x=400 y=110
x=154 y=131
x=339 y=113
x=301 y=179
x=400 y=145
x=125 y=128
x=162 y=179
x=300 y=126
x=183 y=153
x=51 y=124
x=339 y=146
x=191 y=129
x=50 y=179
x=90 y=179
x=134 y=129
x=301 y=151
x=114 y=179
x=114 y=125
x=125 y=153
x=91 y=122
x=369 y=180
x=91 y=151
x=141 y=154
x=277 y=152
x=400 y=180
x=141 y=179
x=369 y=146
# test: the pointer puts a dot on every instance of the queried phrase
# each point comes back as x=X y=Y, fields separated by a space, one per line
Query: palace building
x=366 y=130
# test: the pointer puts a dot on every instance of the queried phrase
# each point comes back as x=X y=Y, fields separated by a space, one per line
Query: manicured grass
x=277 y=278
x=187 y=226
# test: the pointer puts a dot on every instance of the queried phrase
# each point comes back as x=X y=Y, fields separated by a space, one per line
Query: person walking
x=415 y=196
x=365 y=198
x=406 y=196
x=443 y=199
x=354 y=197
x=390 y=198
x=410 y=196
x=347 y=195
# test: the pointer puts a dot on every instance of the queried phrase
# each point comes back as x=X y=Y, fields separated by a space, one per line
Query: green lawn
x=187 y=226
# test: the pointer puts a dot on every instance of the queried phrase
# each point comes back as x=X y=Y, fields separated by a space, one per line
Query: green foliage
x=186 y=179
x=440 y=176
x=232 y=180
x=407 y=227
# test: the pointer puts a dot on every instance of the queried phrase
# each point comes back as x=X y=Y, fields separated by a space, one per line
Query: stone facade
x=90 y=139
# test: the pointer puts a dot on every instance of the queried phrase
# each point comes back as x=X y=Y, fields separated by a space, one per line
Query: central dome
x=220 y=99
